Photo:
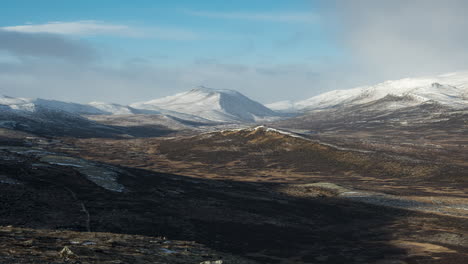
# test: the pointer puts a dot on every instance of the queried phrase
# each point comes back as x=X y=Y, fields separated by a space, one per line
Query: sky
x=270 y=50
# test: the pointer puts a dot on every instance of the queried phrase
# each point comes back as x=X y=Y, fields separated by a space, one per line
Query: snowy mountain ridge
x=212 y=104
x=206 y=105
x=33 y=104
x=447 y=89
x=203 y=105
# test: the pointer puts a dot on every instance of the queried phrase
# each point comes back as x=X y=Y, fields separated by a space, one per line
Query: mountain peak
x=219 y=105
x=204 y=89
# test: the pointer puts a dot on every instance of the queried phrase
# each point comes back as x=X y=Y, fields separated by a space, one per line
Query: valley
x=210 y=176
x=308 y=219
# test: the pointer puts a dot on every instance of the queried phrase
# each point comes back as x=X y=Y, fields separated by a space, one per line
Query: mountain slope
x=448 y=89
x=212 y=104
x=53 y=122
x=114 y=109
x=93 y=108
x=32 y=104
x=201 y=106
x=55 y=118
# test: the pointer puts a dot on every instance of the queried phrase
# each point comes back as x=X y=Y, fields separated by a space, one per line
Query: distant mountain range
x=449 y=90
x=415 y=97
x=200 y=104
x=412 y=103
x=184 y=111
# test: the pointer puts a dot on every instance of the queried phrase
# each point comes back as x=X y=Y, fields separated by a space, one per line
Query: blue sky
x=125 y=51
x=200 y=29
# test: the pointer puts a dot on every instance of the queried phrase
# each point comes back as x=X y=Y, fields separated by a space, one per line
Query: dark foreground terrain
x=235 y=217
x=25 y=245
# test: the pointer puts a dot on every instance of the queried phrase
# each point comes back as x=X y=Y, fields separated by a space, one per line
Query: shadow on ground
x=242 y=218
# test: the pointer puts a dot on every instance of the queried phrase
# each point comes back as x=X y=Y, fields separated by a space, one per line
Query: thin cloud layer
x=85 y=27
x=99 y=28
x=45 y=45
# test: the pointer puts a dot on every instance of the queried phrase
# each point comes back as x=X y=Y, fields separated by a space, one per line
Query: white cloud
x=93 y=27
x=84 y=27
x=292 y=17
x=400 y=38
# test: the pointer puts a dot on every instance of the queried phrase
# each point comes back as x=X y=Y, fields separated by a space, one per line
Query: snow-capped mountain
x=212 y=104
x=448 y=89
x=93 y=108
x=200 y=105
x=33 y=104
x=55 y=118
x=47 y=117
x=31 y=112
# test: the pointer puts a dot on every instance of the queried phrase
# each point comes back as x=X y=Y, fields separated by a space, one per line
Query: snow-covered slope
x=448 y=89
x=32 y=105
x=212 y=104
x=117 y=109
x=114 y=109
x=55 y=118
x=14 y=109
x=93 y=108
x=283 y=106
x=200 y=105
x=12 y=103
x=46 y=117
